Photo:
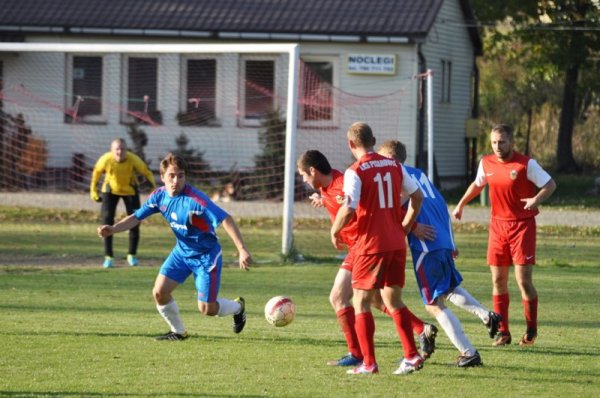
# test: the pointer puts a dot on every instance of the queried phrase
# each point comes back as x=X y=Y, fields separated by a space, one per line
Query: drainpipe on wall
x=421 y=158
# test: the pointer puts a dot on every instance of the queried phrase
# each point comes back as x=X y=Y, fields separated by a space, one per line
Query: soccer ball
x=280 y=311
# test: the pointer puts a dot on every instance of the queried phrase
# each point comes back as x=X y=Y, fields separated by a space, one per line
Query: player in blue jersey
x=433 y=261
x=193 y=218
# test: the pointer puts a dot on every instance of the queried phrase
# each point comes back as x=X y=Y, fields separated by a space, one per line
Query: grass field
x=73 y=329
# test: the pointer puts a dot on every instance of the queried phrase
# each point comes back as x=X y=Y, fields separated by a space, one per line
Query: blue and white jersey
x=193 y=217
x=434 y=212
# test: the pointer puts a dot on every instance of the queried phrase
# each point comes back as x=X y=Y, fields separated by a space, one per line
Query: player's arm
x=342 y=218
x=96 y=174
x=423 y=231
x=542 y=180
x=236 y=236
x=316 y=200
x=124 y=225
x=471 y=193
x=414 y=206
x=543 y=194
x=143 y=169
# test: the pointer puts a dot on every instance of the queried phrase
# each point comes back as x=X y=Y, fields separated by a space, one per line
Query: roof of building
x=292 y=20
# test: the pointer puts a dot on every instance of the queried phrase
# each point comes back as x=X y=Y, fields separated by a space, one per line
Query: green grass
x=73 y=329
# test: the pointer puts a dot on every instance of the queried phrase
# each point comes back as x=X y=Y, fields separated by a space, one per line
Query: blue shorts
x=436 y=274
x=206 y=268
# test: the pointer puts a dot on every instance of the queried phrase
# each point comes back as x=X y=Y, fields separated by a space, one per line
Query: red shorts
x=348 y=261
x=374 y=271
x=511 y=242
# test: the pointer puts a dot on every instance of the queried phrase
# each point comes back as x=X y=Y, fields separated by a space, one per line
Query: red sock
x=530 y=309
x=365 y=330
x=416 y=323
x=346 y=319
x=387 y=312
x=501 y=303
x=402 y=321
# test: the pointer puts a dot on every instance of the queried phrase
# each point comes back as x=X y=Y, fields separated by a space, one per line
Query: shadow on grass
x=39 y=394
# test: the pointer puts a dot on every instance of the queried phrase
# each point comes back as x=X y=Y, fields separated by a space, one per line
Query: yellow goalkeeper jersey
x=120 y=177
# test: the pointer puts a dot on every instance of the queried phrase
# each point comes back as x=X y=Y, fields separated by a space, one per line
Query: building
x=360 y=60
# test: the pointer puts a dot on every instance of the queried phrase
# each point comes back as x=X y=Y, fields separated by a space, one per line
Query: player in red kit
x=316 y=171
x=372 y=189
x=517 y=185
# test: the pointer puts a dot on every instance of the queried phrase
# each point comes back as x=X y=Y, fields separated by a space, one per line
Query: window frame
x=335 y=114
x=125 y=117
x=243 y=119
x=446 y=81
x=183 y=100
x=101 y=118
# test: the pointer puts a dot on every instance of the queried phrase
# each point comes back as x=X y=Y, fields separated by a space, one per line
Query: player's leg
x=207 y=271
x=340 y=298
x=365 y=330
x=529 y=299
x=461 y=298
x=365 y=272
x=523 y=242
x=393 y=281
x=132 y=203
x=455 y=332
x=171 y=274
x=107 y=213
x=500 y=259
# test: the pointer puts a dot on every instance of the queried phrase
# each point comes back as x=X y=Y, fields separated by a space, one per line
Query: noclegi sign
x=372 y=64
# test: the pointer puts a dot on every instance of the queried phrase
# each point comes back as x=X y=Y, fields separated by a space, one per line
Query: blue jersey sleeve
x=150 y=206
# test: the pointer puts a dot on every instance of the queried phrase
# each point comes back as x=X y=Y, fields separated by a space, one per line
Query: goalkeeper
x=119 y=167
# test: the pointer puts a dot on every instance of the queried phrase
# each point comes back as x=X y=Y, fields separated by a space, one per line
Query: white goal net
x=237 y=113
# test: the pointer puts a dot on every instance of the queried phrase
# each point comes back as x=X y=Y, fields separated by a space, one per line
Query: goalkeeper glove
x=95 y=197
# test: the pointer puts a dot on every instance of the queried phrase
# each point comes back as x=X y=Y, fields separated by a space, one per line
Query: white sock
x=462 y=299
x=228 y=307
x=170 y=313
x=453 y=329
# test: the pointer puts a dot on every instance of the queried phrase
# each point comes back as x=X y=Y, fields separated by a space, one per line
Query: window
x=85 y=86
x=141 y=103
x=259 y=88
x=317 y=93
x=199 y=104
x=446 y=77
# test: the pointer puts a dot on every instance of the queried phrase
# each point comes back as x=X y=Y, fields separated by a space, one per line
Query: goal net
x=225 y=108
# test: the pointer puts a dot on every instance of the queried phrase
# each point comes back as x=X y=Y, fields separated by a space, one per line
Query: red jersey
x=510 y=182
x=373 y=186
x=333 y=196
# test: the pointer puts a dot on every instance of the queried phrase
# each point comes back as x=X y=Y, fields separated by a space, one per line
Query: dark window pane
x=260 y=85
x=142 y=84
x=317 y=89
x=201 y=92
x=87 y=85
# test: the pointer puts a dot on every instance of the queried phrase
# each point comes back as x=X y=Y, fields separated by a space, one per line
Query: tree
x=199 y=169
x=560 y=35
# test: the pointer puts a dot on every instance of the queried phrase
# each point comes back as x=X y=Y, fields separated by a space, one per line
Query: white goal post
x=291 y=50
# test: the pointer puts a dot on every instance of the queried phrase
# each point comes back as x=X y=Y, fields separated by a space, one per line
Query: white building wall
x=449 y=40
x=389 y=103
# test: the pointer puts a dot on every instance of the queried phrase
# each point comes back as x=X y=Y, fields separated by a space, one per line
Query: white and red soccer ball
x=280 y=311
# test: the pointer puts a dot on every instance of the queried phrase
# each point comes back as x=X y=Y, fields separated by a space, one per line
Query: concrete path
x=473 y=213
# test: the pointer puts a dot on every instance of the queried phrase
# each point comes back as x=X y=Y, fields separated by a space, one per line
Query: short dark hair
x=314 y=158
x=503 y=128
x=172 y=159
